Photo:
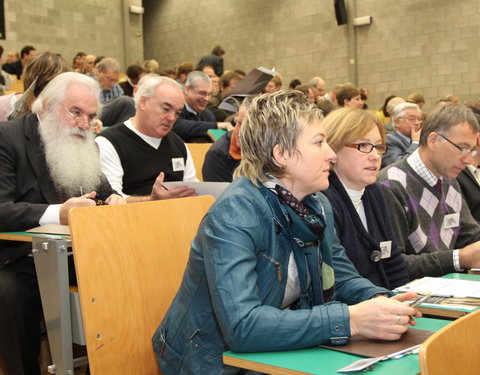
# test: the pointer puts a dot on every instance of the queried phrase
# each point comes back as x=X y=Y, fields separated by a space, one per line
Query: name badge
x=178 y=164
x=451 y=221
x=386 y=248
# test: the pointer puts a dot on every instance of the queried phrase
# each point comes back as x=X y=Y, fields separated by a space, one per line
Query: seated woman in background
x=38 y=72
x=266 y=271
x=362 y=220
x=349 y=96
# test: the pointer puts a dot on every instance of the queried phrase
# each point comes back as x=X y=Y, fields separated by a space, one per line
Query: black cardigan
x=358 y=243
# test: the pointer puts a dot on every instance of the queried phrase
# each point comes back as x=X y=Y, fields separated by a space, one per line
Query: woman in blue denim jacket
x=266 y=271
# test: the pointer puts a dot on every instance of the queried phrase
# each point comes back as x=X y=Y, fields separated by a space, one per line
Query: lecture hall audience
x=140 y=151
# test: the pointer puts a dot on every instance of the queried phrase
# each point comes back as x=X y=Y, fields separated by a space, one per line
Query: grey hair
x=195 y=76
x=314 y=81
x=400 y=109
x=272 y=119
x=55 y=91
x=148 y=84
x=108 y=63
x=443 y=118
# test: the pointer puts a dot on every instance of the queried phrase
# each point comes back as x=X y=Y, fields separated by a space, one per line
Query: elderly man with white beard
x=48 y=164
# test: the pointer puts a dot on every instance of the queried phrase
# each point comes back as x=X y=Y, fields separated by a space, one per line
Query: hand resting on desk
x=383 y=318
x=85 y=200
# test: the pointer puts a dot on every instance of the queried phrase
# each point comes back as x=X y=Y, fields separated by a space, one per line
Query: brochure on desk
x=446 y=293
x=202 y=188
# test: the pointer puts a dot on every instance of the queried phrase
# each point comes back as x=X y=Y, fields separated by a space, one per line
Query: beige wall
x=68 y=26
x=428 y=46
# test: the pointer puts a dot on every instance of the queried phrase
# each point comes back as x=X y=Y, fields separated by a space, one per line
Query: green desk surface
x=323 y=361
x=462 y=276
x=216 y=133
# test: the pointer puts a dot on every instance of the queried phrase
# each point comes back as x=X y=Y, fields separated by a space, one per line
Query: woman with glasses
x=362 y=220
x=266 y=271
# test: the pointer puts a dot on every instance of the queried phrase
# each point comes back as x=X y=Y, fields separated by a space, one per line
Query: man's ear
x=279 y=156
x=431 y=140
x=142 y=102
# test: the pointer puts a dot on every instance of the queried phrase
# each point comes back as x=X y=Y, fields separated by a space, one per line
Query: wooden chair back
x=130 y=261
x=198 y=151
x=455 y=349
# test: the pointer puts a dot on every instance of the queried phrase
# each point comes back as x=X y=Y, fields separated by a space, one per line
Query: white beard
x=72 y=161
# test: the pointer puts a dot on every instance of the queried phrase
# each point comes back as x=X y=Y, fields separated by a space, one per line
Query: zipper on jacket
x=276 y=264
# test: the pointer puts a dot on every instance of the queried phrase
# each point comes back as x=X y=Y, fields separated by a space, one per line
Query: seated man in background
x=89 y=65
x=48 y=165
x=195 y=119
x=390 y=106
x=108 y=71
x=16 y=67
x=274 y=85
x=404 y=140
x=134 y=73
x=138 y=155
x=225 y=154
x=318 y=88
x=228 y=81
x=433 y=225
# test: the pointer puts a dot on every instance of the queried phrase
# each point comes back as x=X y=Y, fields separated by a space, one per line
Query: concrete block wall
x=67 y=27
x=426 y=46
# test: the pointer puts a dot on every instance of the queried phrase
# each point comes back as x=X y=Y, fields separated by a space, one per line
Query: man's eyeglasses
x=202 y=93
x=412 y=119
x=79 y=118
x=367 y=148
x=465 y=151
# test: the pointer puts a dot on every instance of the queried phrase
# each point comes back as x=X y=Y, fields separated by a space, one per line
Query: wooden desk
x=50 y=253
x=321 y=361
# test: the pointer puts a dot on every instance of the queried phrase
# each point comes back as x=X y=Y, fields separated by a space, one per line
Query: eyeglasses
x=367 y=148
x=79 y=117
x=108 y=79
x=202 y=93
x=465 y=151
x=412 y=119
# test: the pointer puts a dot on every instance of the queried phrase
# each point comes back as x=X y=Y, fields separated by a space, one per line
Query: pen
x=419 y=301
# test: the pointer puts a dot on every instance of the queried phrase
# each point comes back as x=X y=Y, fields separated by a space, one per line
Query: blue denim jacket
x=234 y=285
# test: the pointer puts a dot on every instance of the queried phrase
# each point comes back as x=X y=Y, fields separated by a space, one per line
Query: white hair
x=148 y=84
x=400 y=109
x=56 y=90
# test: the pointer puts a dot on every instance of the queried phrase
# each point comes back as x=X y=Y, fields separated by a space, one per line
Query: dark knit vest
x=141 y=162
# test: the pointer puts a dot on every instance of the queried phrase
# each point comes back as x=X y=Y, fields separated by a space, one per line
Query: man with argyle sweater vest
x=138 y=155
x=434 y=227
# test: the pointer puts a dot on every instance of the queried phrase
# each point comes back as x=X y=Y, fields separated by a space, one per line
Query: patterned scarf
x=308 y=230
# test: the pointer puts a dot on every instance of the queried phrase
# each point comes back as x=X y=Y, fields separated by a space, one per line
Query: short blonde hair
x=345 y=125
x=272 y=119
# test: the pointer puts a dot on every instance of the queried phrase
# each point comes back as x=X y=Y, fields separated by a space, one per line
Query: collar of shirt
x=415 y=161
x=152 y=141
x=189 y=109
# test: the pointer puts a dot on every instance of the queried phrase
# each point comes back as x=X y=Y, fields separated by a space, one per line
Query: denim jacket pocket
x=169 y=360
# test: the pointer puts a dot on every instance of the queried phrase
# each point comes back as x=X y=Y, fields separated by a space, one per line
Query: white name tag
x=386 y=248
x=451 y=221
x=178 y=164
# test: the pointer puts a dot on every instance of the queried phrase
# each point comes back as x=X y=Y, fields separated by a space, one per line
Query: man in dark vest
x=138 y=155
